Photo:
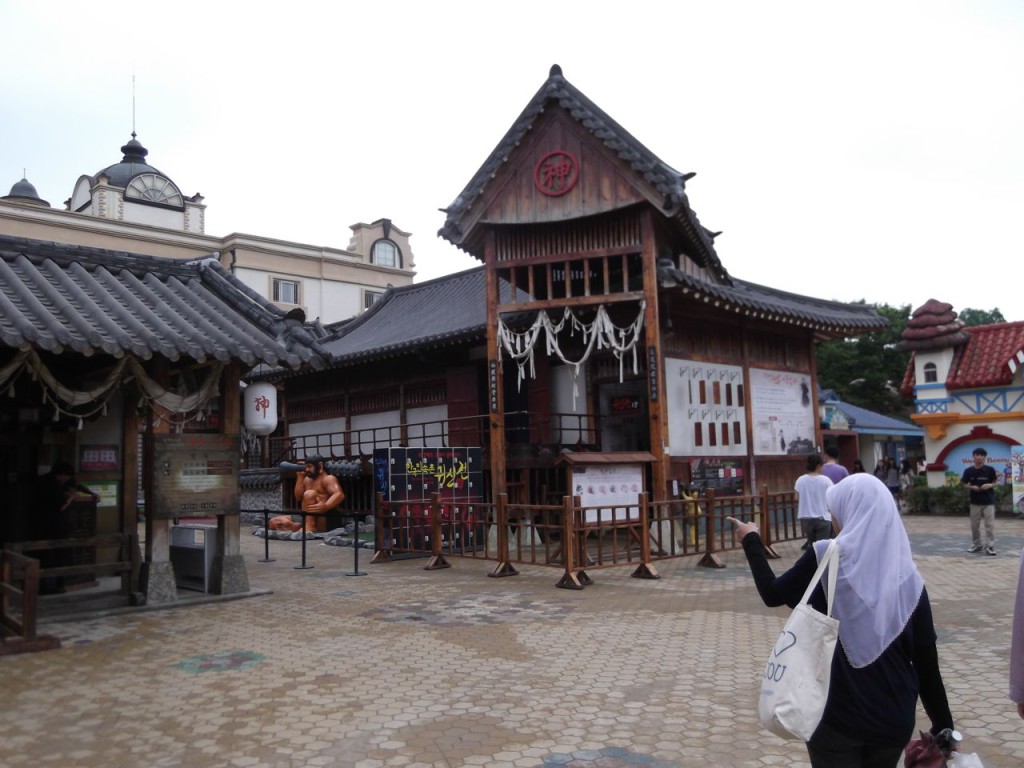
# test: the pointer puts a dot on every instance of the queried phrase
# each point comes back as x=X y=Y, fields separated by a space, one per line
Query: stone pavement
x=449 y=668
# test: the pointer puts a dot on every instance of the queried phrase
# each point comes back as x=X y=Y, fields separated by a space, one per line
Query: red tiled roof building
x=967 y=385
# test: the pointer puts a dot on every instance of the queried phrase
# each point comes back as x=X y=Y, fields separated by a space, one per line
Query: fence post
x=766 y=525
x=437 y=560
x=710 y=559
x=17 y=566
x=574 y=576
x=646 y=569
x=504 y=566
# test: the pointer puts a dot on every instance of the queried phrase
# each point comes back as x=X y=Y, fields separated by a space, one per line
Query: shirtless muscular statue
x=317 y=491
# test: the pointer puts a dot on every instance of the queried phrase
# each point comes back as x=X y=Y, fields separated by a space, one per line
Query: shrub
x=917 y=500
x=946 y=500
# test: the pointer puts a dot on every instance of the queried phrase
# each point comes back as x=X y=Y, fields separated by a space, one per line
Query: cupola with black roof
x=133 y=190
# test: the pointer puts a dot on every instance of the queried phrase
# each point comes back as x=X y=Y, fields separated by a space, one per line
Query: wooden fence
x=19 y=604
x=598 y=537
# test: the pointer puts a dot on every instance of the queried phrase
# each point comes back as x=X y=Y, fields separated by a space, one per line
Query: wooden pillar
x=129 y=500
x=495 y=378
x=228 y=574
x=819 y=443
x=156 y=579
x=657 y=413
x=751 y=478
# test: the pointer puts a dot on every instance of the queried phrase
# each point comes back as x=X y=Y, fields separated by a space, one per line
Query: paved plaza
x=449 y=668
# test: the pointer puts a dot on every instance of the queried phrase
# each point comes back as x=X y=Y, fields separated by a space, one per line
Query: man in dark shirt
x=980 y=480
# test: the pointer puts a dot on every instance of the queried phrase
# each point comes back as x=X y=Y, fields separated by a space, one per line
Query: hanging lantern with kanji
x=260 y=408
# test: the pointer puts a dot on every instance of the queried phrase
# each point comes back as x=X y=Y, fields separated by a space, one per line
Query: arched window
x=150 y=188
x=385 y=254
x=931 y=373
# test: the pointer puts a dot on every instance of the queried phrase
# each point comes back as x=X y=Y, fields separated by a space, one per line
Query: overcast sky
x=868 y=150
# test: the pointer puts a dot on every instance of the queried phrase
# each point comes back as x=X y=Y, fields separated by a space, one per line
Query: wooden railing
x=599 y=537
x=123 y=541
x=19 y=605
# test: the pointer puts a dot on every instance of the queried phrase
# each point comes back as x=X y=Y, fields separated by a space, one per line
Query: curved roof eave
x=831 y=318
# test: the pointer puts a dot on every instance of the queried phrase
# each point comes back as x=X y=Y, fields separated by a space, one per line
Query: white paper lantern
x=260 y=408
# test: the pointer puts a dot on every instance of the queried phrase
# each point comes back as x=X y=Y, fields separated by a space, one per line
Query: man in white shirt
x=812 y=512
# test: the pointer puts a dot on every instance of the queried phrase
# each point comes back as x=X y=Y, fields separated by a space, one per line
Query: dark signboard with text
x=415 y=474
x=195 y=475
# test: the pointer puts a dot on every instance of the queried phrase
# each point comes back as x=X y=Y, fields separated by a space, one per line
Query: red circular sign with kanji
x=556 y=173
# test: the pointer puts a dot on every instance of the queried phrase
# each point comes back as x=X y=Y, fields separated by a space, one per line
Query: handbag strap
x=832 y=553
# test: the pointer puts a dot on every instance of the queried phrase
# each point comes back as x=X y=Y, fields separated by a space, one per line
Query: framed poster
x=609 y=486
x=107 y=490
x=195 y=475
x=783 y=415
x=707 y=409
x=723 y=476
x=98 y=458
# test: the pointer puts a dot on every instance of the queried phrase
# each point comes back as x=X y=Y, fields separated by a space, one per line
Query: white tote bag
x=796 y=678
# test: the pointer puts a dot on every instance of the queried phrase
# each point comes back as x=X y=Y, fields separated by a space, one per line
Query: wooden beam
x=495 y=379
x=657 y=413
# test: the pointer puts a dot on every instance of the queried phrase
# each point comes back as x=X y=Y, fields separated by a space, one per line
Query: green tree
x=981 y=316
x=867 y=370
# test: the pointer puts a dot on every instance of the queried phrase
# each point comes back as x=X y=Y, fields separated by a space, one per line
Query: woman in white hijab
x=886 y=654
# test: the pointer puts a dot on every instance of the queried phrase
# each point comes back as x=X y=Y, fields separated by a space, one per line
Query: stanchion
x=303 y=567
x=266 y=538
x=355 y=546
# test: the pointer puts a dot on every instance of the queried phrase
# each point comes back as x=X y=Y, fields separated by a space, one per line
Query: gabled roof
x=869 y=422
x=990 y=357
x=669 y=183
x=439 y=312
x=74 y=299
x=827 y=318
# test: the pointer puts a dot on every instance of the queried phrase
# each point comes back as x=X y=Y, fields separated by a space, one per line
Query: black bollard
x=303 y=567
x=355 y=546
x=266 y=538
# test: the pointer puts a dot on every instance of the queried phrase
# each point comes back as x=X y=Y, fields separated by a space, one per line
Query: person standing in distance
x=832 y=469
x=317 y=491
x=812 y=512
x=980 y=480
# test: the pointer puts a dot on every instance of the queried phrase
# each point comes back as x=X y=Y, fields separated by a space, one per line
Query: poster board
x=783 y=414
x=707 y=408
x=415 y=474
x=195 y=475
x=607 y=481
x=723 y=476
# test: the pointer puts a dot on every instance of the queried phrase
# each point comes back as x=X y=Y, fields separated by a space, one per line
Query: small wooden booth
x=124 y=371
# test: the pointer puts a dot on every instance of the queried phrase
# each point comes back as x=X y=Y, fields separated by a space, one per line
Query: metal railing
x=526 y=428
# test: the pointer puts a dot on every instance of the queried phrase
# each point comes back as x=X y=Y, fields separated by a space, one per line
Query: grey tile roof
x=447 y=310
x=668 y=182
x=63 y=298
x=830 y=318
